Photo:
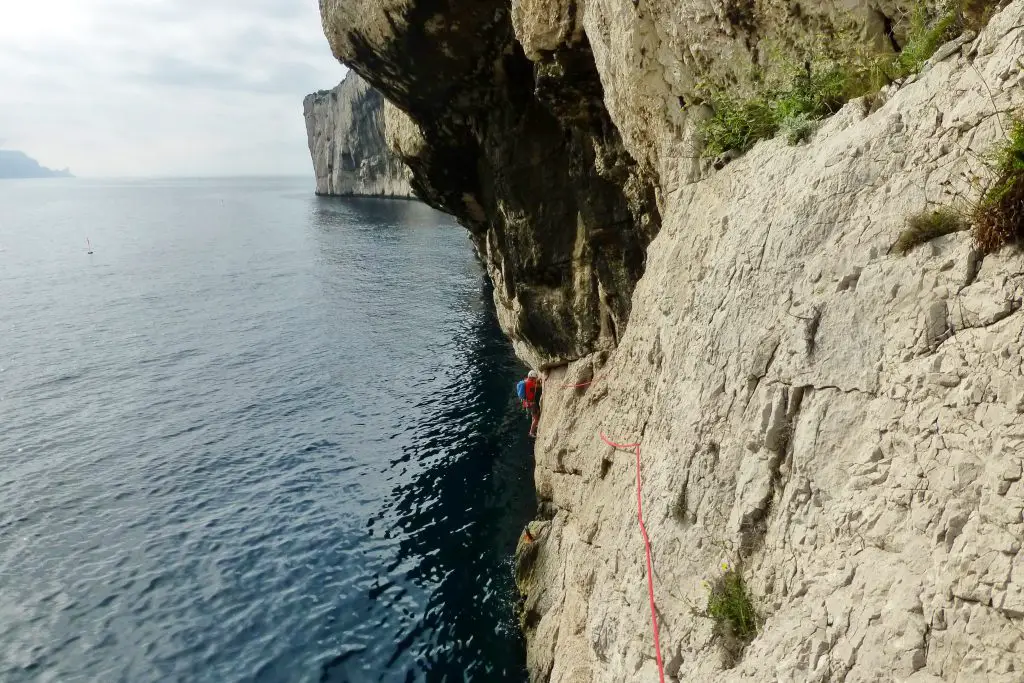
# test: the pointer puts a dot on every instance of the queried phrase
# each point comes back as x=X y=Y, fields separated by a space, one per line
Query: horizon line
x=191 y=176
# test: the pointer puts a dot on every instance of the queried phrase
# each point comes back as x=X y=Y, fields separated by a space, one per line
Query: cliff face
x=842 y=425
x=526 y=158
x=345 y=129
x=845 y=424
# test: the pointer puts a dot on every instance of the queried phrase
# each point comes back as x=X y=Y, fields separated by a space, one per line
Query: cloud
x=284 y=77
x=159 y=87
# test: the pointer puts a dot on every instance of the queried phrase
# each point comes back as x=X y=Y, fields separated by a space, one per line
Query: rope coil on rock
x=635 y=448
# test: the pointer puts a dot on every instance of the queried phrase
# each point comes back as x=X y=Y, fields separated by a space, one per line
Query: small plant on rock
x=927 y=32
x=998 y=217
x=815 y=89
x=793 y=94
x=806 y=94
x=730 y=607
x=737 y=125
x=798 y=128
x=927 y=225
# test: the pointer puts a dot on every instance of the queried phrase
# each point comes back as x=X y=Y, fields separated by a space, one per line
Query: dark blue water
x=255 y=436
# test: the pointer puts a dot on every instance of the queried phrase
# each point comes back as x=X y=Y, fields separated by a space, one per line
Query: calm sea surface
x=255 y=436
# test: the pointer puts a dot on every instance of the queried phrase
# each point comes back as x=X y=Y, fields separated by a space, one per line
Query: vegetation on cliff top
x=799 y=95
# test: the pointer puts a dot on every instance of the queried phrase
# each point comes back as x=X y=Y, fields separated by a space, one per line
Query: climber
x=529 y=391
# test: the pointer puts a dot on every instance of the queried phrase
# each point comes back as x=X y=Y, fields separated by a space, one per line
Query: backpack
x=521 y=389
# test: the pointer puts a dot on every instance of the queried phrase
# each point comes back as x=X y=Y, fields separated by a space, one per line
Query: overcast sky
x=161 y=87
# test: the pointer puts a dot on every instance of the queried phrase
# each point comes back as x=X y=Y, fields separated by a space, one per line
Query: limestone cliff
x=345 y=129
x=527 y=158
x=842 y=424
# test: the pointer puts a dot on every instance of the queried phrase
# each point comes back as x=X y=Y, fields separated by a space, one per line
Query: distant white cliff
x=345 y=127
x=15 y=164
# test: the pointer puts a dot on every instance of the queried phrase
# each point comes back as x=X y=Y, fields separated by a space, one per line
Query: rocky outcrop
x=527 y=158
x=345 y=129
x=842 y=424
x=592 y=102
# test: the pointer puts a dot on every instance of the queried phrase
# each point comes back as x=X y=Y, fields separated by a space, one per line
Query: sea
x=255 y=435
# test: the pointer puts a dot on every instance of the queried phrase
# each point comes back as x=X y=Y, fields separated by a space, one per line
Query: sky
x=137 y=88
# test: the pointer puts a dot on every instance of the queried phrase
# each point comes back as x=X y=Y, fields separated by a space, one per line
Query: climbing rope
x=635 y=447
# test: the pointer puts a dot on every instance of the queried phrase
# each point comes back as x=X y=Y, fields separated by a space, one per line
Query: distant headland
x=15 y=164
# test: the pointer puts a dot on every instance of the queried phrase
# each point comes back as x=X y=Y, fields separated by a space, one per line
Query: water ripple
x=239 y=450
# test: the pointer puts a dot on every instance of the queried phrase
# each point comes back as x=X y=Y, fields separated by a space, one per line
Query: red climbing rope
x=590 y=381
x=635 y=447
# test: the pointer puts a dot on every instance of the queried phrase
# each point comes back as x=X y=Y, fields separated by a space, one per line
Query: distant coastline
x=15 y=164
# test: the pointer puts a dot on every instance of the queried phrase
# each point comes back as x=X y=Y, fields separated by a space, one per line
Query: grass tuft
x=798 y=128
x=811 y=94
x=730 y=607
x=926 y=226
x=998 y=217
x=737 y=125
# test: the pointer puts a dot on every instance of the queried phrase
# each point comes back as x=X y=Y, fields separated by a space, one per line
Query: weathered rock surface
x=844 y=424
x=346 y=132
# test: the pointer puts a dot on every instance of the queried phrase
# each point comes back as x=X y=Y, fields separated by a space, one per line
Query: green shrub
x=998 y=216
x=818 y=89
x=828 y=79
x=729 y=606
x=926 y=226
x=798 y=128
x=737 y=125
x=927 y=32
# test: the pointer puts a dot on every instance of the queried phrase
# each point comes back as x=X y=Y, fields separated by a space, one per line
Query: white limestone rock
x=345 y=127
x=847 y=422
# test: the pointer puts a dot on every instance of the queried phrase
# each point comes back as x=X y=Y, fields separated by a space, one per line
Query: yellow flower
x=725 y=566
